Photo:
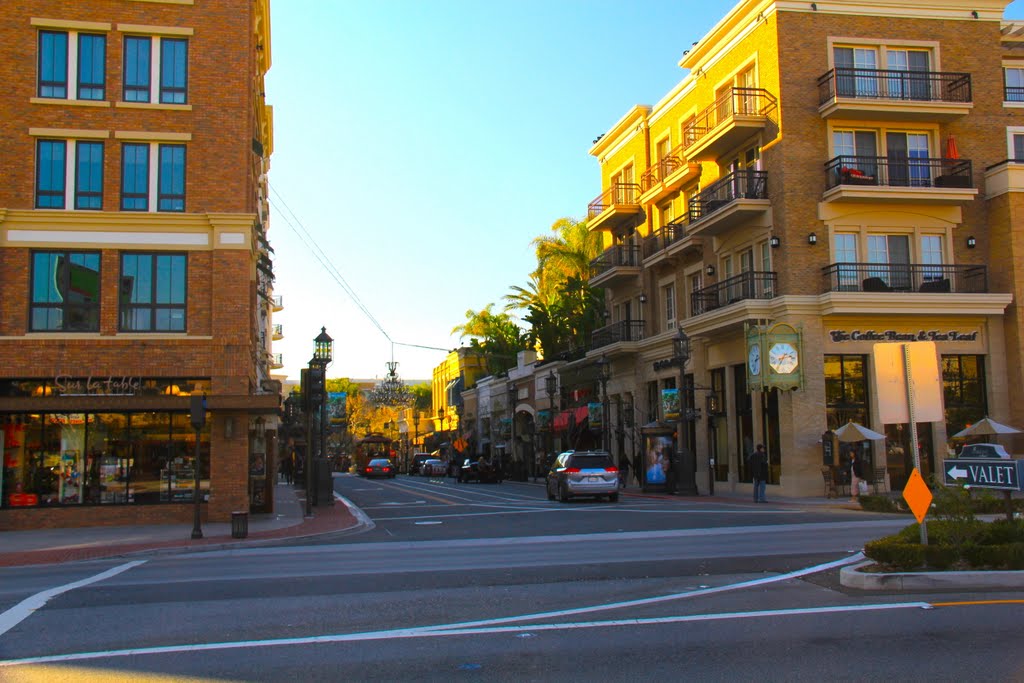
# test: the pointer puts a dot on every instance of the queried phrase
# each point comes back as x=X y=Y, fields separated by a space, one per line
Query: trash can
x=239 y=524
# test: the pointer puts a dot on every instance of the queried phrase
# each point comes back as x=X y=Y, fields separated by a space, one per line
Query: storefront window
x=744 y=419
x=101 y=459
x=964 y=390
x=846 y=400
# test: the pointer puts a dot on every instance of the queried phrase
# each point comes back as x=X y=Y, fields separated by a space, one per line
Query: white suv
x=583 y=473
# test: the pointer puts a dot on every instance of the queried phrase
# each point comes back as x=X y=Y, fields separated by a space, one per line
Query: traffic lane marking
x=506 y=624
x=24 y=609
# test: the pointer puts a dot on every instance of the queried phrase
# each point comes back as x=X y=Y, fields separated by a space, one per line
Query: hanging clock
x=783 y=358
x=754 y=359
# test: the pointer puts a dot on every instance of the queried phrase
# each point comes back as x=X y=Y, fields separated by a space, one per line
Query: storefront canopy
x=562 y=419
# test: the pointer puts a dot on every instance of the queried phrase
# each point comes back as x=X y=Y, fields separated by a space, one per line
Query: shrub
x=953 y=543
x=880 y=504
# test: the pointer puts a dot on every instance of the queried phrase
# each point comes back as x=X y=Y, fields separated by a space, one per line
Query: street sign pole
x=914 y=446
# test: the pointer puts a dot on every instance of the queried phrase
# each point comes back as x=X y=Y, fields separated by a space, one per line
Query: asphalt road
x=485 y=582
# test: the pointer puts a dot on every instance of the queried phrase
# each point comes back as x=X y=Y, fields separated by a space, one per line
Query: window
x=171 y=196
x=135 y=177
x=65 y=292
x=964 y=391
x=152 y=294
x=173 y=70
x=64 y=53
x=624 y=190
x=51 y=167
x=1013 y=84
x=668 y=297
x=137 y=68
x=89 y=175
x=1017 y=146
x=53 y=64
x=163 y=67
x=844 y=251
x=92 y=57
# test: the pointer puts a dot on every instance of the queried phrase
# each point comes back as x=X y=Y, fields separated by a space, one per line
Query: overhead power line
x=311 y=244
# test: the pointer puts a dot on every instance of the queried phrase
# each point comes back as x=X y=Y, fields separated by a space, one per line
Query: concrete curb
x=852 y=577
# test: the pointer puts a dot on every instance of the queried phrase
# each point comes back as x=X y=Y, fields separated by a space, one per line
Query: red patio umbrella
x=951 y=151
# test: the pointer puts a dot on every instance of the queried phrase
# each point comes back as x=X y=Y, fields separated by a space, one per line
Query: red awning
x=562 y=419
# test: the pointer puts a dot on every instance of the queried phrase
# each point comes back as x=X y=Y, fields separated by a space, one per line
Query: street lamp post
x=604 y=372
x=551 y=384
x=316 y=402
x=512 y=428
x=687 y=480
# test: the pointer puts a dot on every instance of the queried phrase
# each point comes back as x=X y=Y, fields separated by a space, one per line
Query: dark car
x=583 y=473
x=476 y=468
x=379 y=467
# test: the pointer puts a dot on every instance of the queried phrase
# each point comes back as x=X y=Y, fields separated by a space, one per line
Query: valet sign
x=984 y=473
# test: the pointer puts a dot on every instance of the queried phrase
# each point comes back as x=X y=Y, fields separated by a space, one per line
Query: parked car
x=476 y=468
x=983 y=450
x=583 y=473
x=379 y=467
x=417 y=460
x=433 y=467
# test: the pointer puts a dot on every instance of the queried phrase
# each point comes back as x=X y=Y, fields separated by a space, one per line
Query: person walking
x=759 y=471
x=856 y=476
x=624 y=472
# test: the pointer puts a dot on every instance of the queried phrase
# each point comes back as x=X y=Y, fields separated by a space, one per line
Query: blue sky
x=422 y=145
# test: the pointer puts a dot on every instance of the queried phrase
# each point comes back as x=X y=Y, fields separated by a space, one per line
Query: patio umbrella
x=853 y=431
x=985 y=427
x=951 y=151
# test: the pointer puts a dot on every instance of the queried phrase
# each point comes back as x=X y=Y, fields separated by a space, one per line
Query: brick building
x=827 y=176
x=134 y=264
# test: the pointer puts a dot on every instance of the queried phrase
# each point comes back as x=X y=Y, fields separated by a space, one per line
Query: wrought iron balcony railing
x=894 y=84
x=617 y=194
x=622 y=331
x=614 y=257
x=898 y=172
x=745 y=184
x=664 y=236
x=666 y=166
x=905 y=277
x=734 y=102
x=749 y=285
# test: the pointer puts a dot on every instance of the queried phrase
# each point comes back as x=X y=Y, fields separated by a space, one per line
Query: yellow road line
x=977 y=602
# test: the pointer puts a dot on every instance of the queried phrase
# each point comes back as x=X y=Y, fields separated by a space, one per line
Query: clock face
x=754 y=359
x=782 y=358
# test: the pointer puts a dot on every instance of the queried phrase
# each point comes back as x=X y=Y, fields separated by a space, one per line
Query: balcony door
x=911 y=82
x=859 y=149
x=622 y=183
x=907 y=156
x=856 y=74
x=892 y=254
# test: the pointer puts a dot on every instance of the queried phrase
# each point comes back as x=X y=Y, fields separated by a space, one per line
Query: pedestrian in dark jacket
x=624 y=472
x=758 y=461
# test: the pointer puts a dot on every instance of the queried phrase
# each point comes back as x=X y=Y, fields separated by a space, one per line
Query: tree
x=496 y=336
x=565 y=254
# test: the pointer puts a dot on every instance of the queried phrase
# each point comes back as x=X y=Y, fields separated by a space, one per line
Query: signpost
x=984 y=473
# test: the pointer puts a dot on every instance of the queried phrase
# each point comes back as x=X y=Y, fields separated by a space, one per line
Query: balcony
x=622 y=331
x=276 y=361
x=734 y=117
x=667 y=176
x=749 y=285
x=670 y=240
x=277 y=303
x=1006 y=176
x=924 y=278
x=933 y=181
x=278 y=332
x=616 y=263
x=734 y=199
x=615 y=208
x=894 y=95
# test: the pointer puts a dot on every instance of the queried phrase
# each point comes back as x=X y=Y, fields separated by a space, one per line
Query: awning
x=562 y=419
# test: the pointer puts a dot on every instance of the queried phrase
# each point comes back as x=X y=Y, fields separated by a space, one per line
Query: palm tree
x=565 y=254
x=496 y=335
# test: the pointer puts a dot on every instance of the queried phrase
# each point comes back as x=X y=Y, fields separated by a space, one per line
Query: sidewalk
x=288 y=521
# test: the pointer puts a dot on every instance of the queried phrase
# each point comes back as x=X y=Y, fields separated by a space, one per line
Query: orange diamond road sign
x=917 y=495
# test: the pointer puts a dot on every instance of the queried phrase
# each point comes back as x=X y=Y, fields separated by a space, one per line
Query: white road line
x=425 y=633
x=24 y=609
x=500 y=625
